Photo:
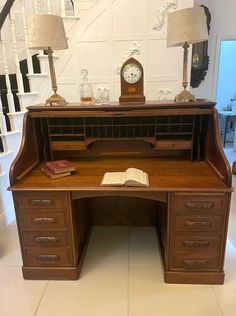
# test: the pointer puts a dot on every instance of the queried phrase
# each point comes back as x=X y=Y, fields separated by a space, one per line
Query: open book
x=131 y=177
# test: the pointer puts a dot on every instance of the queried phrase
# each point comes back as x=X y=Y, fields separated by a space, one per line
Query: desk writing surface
x=164 y=175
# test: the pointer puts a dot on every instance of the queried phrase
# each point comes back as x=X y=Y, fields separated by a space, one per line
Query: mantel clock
x=131 y=81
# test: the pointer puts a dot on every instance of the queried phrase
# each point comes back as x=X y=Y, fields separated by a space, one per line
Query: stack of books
x=57 y=169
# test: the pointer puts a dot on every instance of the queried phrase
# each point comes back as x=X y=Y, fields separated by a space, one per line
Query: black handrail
x=5 y=11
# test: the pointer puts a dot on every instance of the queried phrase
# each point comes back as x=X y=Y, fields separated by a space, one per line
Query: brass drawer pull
x=48 y=257
x=196 y=225
x=47 y=239
x=196 y=243
x=42 y=202
x=44 y=220
x=197 y=205
x=117 y=114
x=195 y=262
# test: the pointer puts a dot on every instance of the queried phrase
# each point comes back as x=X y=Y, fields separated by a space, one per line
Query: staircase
x=24 y=74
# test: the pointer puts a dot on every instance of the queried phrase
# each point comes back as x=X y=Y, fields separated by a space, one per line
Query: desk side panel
x=214 y=152
x=27 y=156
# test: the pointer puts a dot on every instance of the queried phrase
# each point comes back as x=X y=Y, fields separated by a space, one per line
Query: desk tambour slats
x=188 y=198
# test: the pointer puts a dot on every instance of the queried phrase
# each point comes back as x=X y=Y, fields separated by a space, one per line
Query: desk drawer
x=194 y=223
x=40 y=220
x=42 y=200
x=173 y=144
x=48 y=257
x=195 y=262
x=45 y=239
x=199 y=202
x=197 y=243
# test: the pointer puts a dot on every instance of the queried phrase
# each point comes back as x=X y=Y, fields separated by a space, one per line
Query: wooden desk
x=188 y=199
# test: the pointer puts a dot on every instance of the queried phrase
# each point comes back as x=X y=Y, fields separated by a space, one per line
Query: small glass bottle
x=86 y=91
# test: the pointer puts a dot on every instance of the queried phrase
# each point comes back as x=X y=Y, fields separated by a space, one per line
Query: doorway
x=226 y=91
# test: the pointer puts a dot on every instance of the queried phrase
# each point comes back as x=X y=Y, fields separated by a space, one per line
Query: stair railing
x=5 y=11
x=9 y=108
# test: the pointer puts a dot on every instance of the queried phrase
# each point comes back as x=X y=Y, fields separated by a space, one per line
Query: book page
x=137 y=177
x=113 y=179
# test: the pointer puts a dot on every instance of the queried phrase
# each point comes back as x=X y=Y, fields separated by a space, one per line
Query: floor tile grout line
x=40 y=300
x=217 y=300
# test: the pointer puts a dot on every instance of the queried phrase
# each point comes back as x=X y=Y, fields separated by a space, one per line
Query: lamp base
x=56 y=99
x=185 y=96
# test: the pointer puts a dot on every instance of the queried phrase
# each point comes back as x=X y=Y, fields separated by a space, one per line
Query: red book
x=49 y=173
x=60 y=166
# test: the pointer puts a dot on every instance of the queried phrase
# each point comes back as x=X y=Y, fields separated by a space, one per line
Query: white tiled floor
x=121 y=276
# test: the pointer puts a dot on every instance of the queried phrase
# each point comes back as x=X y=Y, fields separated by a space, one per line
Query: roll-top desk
x=188 y=199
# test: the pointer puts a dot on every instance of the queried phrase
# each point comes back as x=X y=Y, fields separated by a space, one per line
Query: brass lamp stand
x=54 y=99
x=185 y=95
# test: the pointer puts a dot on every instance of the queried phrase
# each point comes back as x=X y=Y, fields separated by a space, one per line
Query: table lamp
x=185 y=27
x=46 y=32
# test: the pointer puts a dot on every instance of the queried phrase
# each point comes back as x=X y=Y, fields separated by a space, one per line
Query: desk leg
x=234 y=144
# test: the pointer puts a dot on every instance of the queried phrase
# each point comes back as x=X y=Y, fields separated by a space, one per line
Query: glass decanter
x=86 y=91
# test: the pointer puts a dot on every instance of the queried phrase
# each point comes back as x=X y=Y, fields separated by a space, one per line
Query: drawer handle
x=47 y=239
x=44 y=220
x=197 y=205
x=41 y=202
x=48 y=257
x=196 y=243
x=196 y=225
x=195 y=262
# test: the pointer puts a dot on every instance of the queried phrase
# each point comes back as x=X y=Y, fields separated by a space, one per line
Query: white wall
x=223 y=25
x=114 y=30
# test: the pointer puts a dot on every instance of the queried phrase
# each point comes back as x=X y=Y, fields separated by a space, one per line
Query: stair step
x=12 y=141
x=26 y=99
x=5 y=161
x=7 y=214
x=44 y=64
x=16 y=120
x=35 y=80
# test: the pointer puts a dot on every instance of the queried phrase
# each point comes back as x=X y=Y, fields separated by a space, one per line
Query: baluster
x=19 y=78
x=49 y=6
x=63 y=8
x=3 y=126
x=25 y=28
x=10 y=99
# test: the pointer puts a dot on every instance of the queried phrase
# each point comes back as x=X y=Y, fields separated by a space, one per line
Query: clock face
x=131 y=73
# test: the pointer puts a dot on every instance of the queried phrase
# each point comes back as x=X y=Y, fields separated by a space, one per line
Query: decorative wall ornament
x=164 y=94
x=163 y=12
x=131 y=52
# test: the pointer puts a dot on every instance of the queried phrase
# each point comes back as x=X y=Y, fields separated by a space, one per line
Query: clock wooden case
x=131 y=82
